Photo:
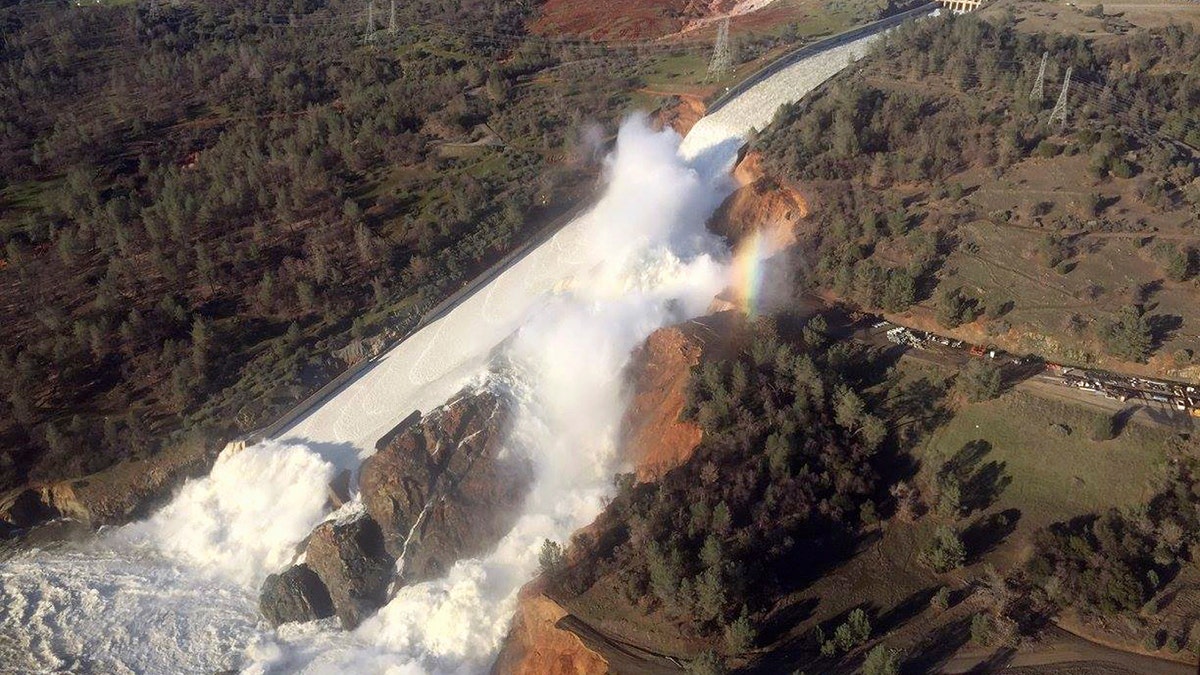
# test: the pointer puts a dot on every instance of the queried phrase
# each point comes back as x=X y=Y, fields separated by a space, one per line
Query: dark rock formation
x=339 y=489
x=442 y=486
x=439 y=491
x=351 y=562
x=24 y=508
x=296 y=594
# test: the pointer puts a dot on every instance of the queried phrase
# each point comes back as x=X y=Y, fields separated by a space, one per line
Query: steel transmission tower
x=1060 y=109
x=1039 y=85
x=722 y=58
x=370 y=36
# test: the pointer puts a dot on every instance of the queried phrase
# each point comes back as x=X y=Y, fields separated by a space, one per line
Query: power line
x=721 y=64
x=1060 y=109
x=1039 y=85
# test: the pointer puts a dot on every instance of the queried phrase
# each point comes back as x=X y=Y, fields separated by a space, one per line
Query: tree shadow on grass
x=937 y=647
x=982 y=484
x=987 y=532
x=1162 y=327
x=904 y=611
x=1122 y=417
x=996 y=662
x=781 y=621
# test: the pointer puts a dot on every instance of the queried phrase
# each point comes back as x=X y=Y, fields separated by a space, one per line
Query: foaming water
x=178 y=592
x=243 y=520
x=654 y=264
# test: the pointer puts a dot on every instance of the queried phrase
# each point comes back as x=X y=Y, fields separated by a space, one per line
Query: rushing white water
x=178 y=592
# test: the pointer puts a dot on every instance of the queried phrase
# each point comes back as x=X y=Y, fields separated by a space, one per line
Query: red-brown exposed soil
x=760 y=203
x=615 y=19
x=537 y=646
x=681 y=114
x=655 y=439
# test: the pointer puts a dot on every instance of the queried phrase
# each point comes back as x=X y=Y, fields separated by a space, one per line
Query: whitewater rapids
x=178 y=592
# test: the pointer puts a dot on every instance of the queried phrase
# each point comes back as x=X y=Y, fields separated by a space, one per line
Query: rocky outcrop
x=680 y=113
x=297 y=594
x=441 y=490
x=119 y=494
x=25 y=507
x=350 y=560
x=655 y=439
x=537 y=645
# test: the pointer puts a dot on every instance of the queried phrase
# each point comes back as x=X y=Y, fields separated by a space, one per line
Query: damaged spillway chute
x=530 y=462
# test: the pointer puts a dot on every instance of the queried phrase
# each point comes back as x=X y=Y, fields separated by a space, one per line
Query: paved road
x=1061 y=652
x=1044 y=384
x=428 y=368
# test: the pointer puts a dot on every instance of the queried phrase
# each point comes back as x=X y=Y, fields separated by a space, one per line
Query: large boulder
x=350 y=560
x=442 y=490
x=438 y=490
x=296 y=594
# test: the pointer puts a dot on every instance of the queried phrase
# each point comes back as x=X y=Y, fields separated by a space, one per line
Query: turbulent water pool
x=178 y=592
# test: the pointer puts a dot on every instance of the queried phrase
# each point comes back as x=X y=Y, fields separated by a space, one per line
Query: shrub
x=1129 y=335
x=946 y=552
x=941 y=600
x=707 y=663
x=740 y=634
x=982 y=630
x=954 y=308
x=551 y=558
x=853 y=633
x=979 y=381
x=881 y=660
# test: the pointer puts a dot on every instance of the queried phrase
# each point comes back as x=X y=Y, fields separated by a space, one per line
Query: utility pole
x=392 y=19
x=1039 y=86
x=1060 y=109
x=722 y=57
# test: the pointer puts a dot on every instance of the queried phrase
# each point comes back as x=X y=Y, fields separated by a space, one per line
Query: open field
x=1046 y=472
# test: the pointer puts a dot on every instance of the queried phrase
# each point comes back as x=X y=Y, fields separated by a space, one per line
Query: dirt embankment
x=626 y=19
x=655 y=438
x=760 y=203
x=536 y=645
x=681 y=113
x=123 y=492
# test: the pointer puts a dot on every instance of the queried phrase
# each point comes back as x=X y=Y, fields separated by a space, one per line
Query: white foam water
x=178 y=592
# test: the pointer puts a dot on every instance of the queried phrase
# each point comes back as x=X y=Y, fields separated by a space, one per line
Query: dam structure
x=178 y=592
x=426 y=369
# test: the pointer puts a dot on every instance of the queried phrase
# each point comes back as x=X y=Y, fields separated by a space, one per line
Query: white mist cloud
x=650 y=262
x=244 y=519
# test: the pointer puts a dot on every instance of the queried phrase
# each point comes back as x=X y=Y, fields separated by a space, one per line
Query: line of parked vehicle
x=1182 y=396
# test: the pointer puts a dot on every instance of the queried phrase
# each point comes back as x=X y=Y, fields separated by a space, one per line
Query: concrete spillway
x=178 y=592
x=425 y=370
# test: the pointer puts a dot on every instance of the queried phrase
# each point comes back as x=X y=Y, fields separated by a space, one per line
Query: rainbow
x=747 y=272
